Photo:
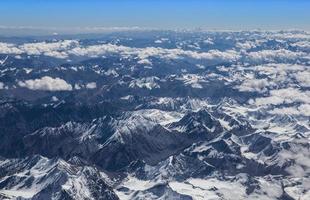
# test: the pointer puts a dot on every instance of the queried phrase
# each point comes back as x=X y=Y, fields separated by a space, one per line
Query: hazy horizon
x=80 y=16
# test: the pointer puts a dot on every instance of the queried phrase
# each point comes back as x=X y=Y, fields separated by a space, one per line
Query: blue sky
x=166 y=14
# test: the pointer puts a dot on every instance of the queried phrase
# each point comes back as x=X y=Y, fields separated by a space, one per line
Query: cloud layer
x=68 y=48
x=46 y=83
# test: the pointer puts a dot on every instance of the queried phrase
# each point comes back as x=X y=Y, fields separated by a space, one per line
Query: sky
x=160 y=14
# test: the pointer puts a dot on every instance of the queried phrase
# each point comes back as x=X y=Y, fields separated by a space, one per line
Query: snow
x=212 y=188
x=192 y=80
x=229 y=189
x=159 y=116
x=225 y=124
x=76 y=183
x=19 y=193
x=298 y=192
x=4 y=60
x=126 y=97
x=74 y=69
x=279 y=108
x=54 y=98
x=28 y=70
x=249 y=155
x=134 y=185
x=196 y=104
x=78 y=188
x=147 y=82
x=268 y=189
x=91 y=85
x=111 y=72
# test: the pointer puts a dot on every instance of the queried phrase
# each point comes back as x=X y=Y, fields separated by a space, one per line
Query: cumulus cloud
x=246 y=45
x=97 y=50
x=1 y=85
x=272 y=100
x=303 y=45
x=77 y=86
x=52 y=49
x=272 y=55
x=111 y=72
x=46 y=83
x=145 y=62
x=145 y=53
x=91 y=85
x=303 y=78
x=295 y=35
x=192 y=80
x=208 y=41
x=301 y=157
x=229 y=55
x=64 y=49
x=285 y=111
x=6 y=48
x=278 y=68
x=253 y=85
x=158 y=41
x=303 y=109
x=54 y=98
x=287 y=95
x=147 y=82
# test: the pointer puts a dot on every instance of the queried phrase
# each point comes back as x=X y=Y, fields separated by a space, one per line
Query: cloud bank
x=46 y=83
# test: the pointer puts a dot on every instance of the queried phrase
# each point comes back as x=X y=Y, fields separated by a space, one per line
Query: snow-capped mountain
x=37 y=177
x=156 y=115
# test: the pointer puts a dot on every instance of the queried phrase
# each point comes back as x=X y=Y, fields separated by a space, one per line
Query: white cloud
x=303 y=78
x=77 y=86
x=145 y=53
x=208 y=41
x=145 y=62
x=1 y=85
x=96 y=50
x=54 y=98
x=158 y=41
x=111 y=72
x=272 y=100
x=292 y=95
x=52 y=49
x=304 y=45
x=63 y=49
x=285 y=111
x=229 y=55
x=6 y=48
x=286 y=35
x=46 y=83
x=253 y=85
x=287 y=95
x=147 y=82
x=246 y=45
x=91 y=85
x=192 y=80
x=301 y=164
x=161 y=40
x=304 y=109
x=278 y=68
x=272 y=55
